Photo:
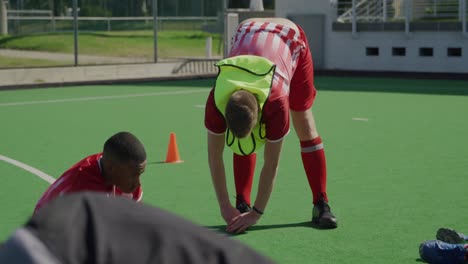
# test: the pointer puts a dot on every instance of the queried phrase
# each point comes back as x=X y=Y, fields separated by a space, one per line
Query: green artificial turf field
x=396 y=152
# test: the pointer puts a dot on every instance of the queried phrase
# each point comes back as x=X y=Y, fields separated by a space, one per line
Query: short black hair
x=125 y=147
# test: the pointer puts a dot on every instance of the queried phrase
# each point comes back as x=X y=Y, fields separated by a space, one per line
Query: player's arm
x=265 y=187
x=218 y=175
x=268 y=173
x=277 y=123
x=216 y=163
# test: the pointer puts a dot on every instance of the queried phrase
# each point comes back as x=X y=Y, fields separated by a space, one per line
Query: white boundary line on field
x=46 y=177
x=360 y=119
x=109 y=97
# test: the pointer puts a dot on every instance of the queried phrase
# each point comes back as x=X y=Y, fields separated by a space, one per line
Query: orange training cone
x=172 y=150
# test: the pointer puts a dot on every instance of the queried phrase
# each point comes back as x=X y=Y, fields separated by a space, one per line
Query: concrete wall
x=343 y=51
x=291 y=8
x=350 y=53
x=313 y=23
x=283 y=7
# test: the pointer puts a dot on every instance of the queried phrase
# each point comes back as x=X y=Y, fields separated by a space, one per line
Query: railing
x=366 y=10
x=407 y=11
x=436 y=9
x=197 y=66
x=36 y=24
x=391 y=10
x=32 y=12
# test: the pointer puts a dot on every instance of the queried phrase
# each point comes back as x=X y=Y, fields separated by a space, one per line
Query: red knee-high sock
x=466 y=254
x=244 y=168
x=313 y=159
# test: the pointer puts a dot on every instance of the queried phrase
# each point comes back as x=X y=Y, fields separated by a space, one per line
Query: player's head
x=124 y=159
x=241 y=113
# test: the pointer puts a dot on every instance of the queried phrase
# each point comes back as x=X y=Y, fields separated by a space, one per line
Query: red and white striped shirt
x=84 y=176
x=285 y=47
x=278 y=43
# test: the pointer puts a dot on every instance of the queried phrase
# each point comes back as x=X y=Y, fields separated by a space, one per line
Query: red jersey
x=292 y=86
x=86 y=175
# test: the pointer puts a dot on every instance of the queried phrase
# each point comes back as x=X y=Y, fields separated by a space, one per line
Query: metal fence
x=40 y=35
x=407 y=15
x=21 y=25
x=398 y=10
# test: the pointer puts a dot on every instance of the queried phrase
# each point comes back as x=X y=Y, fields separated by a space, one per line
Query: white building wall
x=343 y=51
x=284 y=7
x=348 y=53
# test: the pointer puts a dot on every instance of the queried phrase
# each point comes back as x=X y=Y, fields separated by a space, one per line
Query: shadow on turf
x=397 y=84
x=222 y=228
x=363 y=81
x=157 y=162
x=355 y=81
x=190 y=83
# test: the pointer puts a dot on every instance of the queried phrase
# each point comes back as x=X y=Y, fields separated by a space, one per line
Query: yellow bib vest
x=250 y=73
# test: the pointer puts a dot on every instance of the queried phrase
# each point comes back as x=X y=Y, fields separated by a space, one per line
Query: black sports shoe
x=322 y=217
x=242 y=205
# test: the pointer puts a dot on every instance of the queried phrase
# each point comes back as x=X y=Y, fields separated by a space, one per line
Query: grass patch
x=9 y=62
x=118 y=44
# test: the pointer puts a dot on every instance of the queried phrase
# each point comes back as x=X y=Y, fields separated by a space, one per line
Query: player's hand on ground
x=240 y=223
x=229 y=213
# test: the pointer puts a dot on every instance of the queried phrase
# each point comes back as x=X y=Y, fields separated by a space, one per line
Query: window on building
x=454 y=52
x=398 y=51
x=372 y=51
x=426 y=52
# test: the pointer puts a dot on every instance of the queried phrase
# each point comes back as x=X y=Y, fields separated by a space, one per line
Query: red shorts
x=302 y=91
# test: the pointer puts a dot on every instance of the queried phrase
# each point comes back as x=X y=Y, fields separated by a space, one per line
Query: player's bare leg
x=304 y=124
x=313 y=159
